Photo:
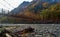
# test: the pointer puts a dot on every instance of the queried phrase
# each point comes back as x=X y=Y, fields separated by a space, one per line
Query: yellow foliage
x=45 y=4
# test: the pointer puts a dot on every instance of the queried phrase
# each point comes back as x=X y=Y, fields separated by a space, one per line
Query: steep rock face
x=33 y=9
x=33 y=5
x=20 y=7
x=37 y=5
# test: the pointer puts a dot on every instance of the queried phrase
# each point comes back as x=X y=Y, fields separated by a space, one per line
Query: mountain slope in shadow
x=31 y=12
x=20 y=7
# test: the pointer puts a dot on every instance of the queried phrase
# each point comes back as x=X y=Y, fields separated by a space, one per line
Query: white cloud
x=13 y=4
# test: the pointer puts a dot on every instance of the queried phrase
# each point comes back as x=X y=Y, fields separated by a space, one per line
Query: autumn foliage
x=37 y=12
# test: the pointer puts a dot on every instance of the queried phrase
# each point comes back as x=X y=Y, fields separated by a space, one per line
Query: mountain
x=20 y=7
x=37 y=10
x=35 y=3
x=35 y=7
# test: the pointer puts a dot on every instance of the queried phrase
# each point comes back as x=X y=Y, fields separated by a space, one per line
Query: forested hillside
x=38 y=11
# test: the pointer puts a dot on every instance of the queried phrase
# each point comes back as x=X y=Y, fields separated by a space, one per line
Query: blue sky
x=10 y=4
